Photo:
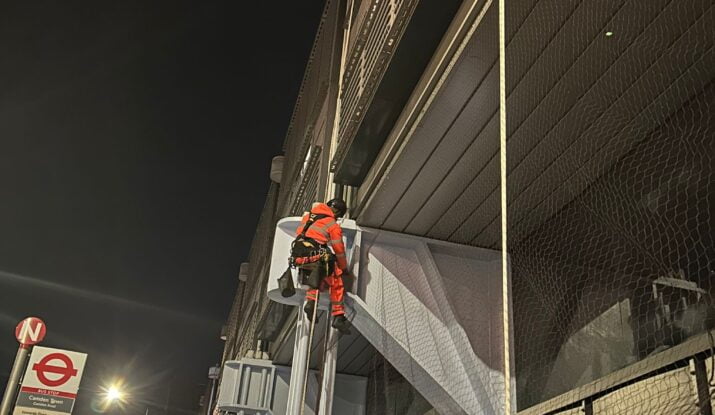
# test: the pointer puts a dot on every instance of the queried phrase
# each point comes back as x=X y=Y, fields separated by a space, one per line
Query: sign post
x=51 y=382
x=30 y=331
x=214 y=373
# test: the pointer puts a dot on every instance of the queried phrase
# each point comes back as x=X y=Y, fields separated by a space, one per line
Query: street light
x=114 y=394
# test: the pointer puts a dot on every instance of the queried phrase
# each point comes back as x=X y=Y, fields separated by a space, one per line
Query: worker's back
x=325 y=231
x=319 y=231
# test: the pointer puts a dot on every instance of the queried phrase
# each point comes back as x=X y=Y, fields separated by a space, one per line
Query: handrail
x=638 y=371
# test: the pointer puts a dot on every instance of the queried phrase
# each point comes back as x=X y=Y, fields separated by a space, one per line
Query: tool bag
x=285 y=284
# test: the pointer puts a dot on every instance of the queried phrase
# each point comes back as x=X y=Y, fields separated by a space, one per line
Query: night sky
x=135 y=145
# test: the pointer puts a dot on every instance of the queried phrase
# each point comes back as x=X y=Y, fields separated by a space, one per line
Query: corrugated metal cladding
x=578 y=101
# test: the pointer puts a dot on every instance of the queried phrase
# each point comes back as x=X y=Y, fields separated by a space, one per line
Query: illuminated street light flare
x=114 y=394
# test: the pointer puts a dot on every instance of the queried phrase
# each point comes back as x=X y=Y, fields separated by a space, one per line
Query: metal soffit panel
x=443 y=153
x=565 y=88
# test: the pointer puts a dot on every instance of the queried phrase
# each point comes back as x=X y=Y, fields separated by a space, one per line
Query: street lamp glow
x=114 y=394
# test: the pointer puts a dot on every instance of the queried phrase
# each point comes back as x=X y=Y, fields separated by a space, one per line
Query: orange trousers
x=333 y=282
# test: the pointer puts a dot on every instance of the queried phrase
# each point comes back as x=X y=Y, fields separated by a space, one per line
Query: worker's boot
x=309 y=308
x=342 y=324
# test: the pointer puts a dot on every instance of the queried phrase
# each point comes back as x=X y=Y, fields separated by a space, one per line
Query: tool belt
x=314 y=260
x=305 y=251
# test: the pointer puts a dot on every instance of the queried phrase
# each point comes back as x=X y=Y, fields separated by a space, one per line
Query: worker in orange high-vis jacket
x=326 y=233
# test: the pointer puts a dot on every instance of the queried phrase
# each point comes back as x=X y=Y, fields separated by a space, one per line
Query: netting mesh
x=610 y=197
x=391 y=394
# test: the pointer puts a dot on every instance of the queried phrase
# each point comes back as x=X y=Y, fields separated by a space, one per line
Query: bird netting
x=610 y=160
x=391 y=394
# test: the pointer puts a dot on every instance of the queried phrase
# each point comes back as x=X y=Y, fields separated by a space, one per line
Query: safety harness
x=307 y=254
x=305 y=250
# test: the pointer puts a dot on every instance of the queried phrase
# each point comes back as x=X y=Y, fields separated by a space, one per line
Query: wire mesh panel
x=388 y=393
x=610 y=160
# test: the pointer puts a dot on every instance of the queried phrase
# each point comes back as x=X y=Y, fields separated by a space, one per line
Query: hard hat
x=339 y=205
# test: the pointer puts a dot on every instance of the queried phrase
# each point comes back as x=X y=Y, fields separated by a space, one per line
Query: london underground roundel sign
x=58 y=364
x=30 y=331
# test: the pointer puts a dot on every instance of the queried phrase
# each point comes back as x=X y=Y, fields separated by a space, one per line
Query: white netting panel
x=610 y=160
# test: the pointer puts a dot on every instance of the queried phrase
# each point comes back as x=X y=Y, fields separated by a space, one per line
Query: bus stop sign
x=30 y=331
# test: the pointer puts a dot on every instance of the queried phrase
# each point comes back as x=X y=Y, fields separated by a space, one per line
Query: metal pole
x=8 y=399
x=703 y=386
x=214 y=373
x=330 y=359
x=588 y=406
x=307 y=360
x=212 y=394
x=297 y=374
x=506 y=283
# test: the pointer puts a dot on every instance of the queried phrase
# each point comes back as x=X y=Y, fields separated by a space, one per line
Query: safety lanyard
x=311 y=220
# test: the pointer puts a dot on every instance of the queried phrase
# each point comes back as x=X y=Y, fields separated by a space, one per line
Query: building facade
x=572 y=140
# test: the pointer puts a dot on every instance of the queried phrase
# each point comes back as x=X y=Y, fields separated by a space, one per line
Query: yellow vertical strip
x=504 y=253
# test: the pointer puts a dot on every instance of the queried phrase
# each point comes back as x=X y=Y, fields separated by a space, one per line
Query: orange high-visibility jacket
x=326 y=231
